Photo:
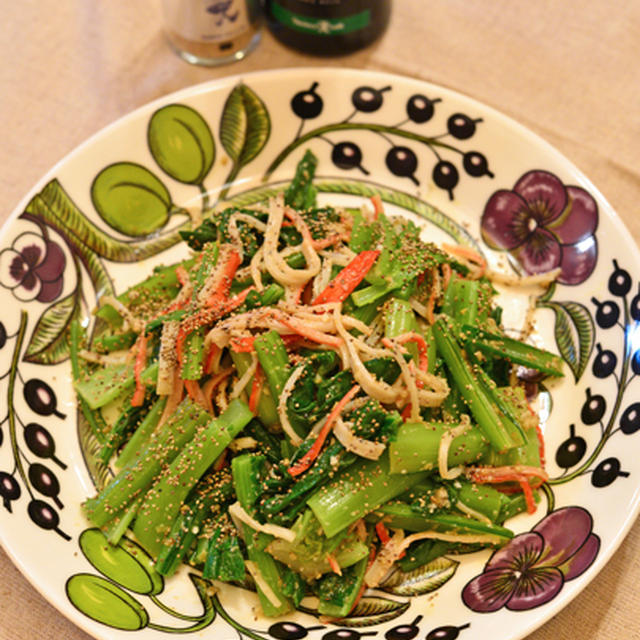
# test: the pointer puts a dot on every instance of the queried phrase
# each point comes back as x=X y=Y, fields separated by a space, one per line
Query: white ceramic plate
x=472 y=176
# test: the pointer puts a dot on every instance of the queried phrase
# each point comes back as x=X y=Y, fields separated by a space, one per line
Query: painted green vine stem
x=13 y=372
x=353 y=126
x=608 y=430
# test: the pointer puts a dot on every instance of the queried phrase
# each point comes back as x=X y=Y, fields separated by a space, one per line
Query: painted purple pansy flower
x=544 y=225
x=33 y=268
x=533 y=567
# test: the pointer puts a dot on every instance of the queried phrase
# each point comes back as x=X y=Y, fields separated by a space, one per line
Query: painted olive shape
x=619 y=281
x=41 y=398
x=307 y=104
x=131 y=199
x=126 y=563
x=181 y=143
x=106 y=602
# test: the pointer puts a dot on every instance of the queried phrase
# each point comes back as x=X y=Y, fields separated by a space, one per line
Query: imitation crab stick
x=341 y=287
x=307 y=459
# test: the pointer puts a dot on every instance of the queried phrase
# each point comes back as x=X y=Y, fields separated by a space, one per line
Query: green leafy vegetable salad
x=314 y=398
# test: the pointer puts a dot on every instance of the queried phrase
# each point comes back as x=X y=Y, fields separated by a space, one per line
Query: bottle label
x=320 y=26
x=207 y=20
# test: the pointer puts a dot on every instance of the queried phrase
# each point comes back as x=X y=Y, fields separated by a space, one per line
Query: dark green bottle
x=327 y=27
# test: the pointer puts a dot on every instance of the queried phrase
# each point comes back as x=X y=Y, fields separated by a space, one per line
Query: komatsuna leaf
x=49 y=343
x=574 y=332
x=421 y=580
x=244 y=127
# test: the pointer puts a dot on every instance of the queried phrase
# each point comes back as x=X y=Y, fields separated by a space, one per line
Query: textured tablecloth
x=568 y=70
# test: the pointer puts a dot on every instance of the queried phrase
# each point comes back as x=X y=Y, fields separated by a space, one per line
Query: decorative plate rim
x=535 y=618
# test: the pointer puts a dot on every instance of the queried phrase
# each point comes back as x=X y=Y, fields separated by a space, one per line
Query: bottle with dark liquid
x=327 y=27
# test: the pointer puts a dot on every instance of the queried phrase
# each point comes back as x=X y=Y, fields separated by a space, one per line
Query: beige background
x=569 y=70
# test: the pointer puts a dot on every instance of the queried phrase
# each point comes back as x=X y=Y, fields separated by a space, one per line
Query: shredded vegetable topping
x=314 y=397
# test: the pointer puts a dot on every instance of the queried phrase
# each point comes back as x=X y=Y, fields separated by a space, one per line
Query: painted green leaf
x=181 y=143
x=131 y=199
x=422 y=580
x=126 y=563
x=372 y=610
x=106 y=602
x=244 y=127
x=49 y=341
x=574 y=332
x=54 y=206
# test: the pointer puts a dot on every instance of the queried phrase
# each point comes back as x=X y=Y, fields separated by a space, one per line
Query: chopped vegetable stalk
x=338 y=594
x=108 y=383
x=417 y=446
x=301 y=194
x=461 y=300
x=274 y=360
x=357 y=491
x=94 y=418
x=451 y=528
x=140 y=438
x=165 y=498
x=494 y=344
x=269 y=585
x=489 y=418
x=136 y=476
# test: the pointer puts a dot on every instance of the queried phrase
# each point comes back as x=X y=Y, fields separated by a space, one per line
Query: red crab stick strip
x=307 y=459
x=341 y=287
x=221 y=291
x=141 y=358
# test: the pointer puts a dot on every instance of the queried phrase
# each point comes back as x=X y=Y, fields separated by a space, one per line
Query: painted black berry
x=445 y=175
x=346 y=155
x=44 y=481
x=619 y=281
x=607 y=313
x=307 y=104
x=606 y=472
x=630 y=419
x=404 y=631
x=572 y=450
x=41 y=443
x=476 y=165
x=402 y=161
x=593 y=408
x=461 y=126
x=635 y=362
x=448 y=632
x=420 y=108
x=3 y=335
x=43 y=515
x=289 y=631
x=9 y=489
x=347 y=634
x=41 y=398
x=604 y=363
x=368 y=99
x=634 y=308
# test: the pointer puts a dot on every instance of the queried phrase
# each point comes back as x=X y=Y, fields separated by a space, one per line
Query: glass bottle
x=212 y=32
x=327 y=27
